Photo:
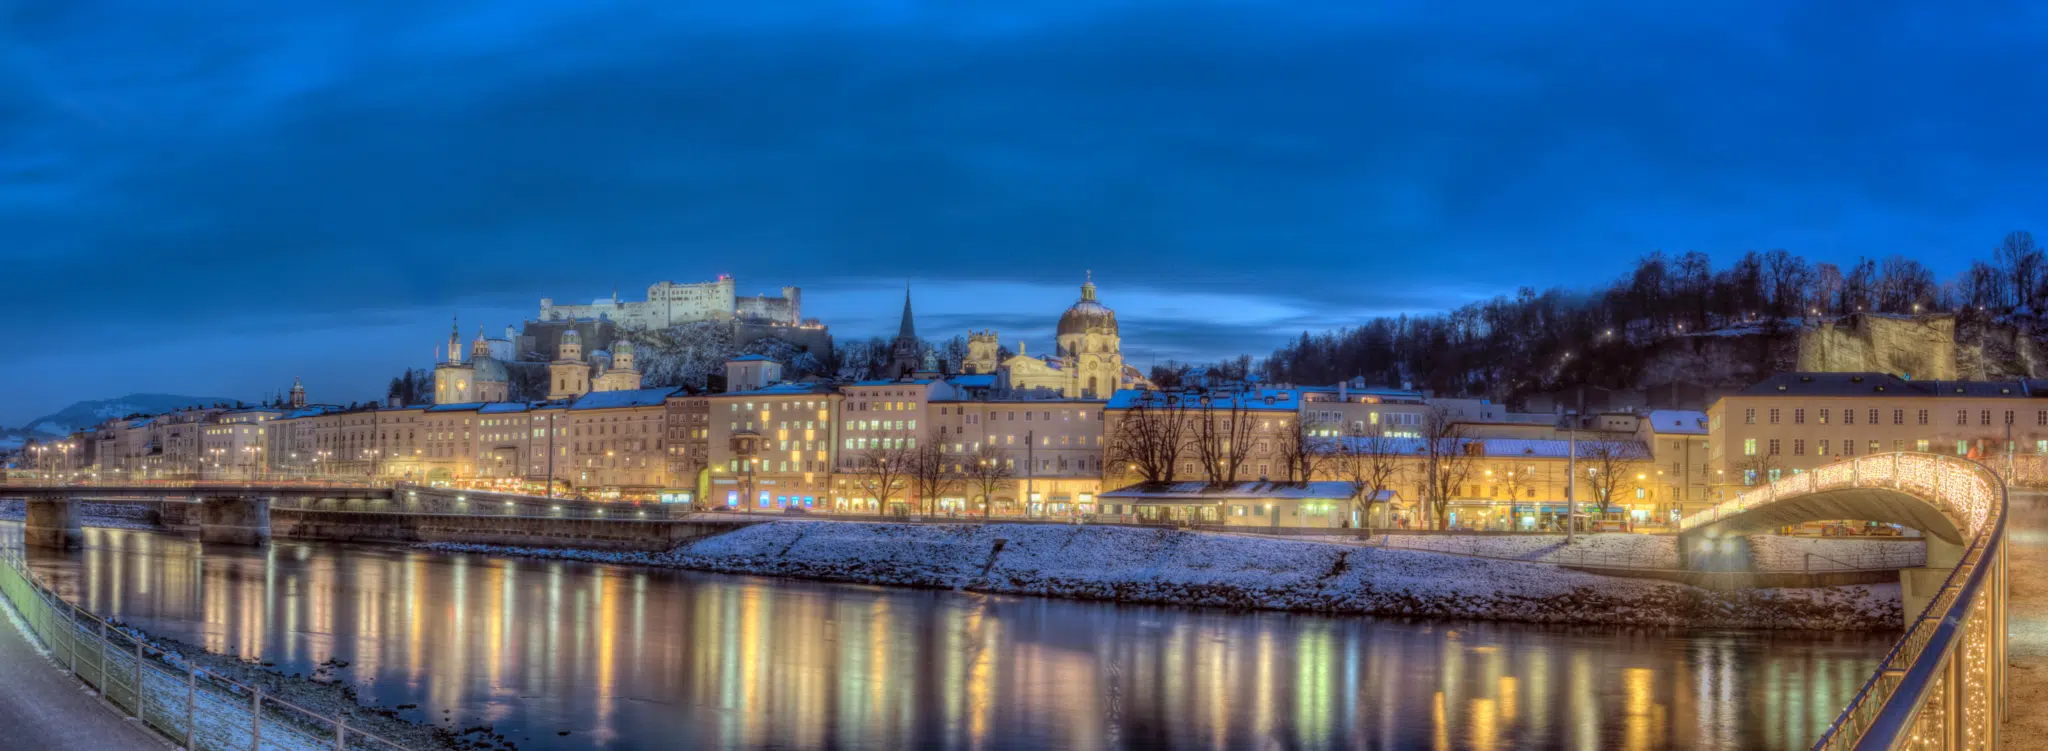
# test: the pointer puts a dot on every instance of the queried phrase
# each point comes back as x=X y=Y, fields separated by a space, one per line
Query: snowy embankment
x=1186 y=568
x=1775 y=553
x=1767 y=552
x=90 y=514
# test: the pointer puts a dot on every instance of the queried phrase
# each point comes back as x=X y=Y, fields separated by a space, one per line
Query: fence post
x=191 y=704
x=256 y=721
x=138 y=678
x=71 y=637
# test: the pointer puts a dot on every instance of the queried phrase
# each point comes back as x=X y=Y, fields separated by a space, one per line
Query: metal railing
x=191 y=706
x=1942 y=686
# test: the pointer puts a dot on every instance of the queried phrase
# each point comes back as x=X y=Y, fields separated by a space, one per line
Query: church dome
x=489 y=370
x=1088 y=316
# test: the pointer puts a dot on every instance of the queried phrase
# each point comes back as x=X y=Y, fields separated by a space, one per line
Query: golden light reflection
x=622 y=656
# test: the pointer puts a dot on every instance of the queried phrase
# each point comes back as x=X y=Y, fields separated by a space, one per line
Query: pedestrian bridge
x=1943 y=684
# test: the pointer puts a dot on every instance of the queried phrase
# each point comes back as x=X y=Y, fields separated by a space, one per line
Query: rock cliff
x=1920 y=348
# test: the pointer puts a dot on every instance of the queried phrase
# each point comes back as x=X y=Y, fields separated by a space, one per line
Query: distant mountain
x=90 y=413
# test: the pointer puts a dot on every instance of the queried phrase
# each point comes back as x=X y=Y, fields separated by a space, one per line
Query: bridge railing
x=193 y=707
x=1942 y=686
x=1956 y=486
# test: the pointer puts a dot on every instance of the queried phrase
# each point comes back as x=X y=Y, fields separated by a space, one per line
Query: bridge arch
x=1946 y=498
x=1943 y=685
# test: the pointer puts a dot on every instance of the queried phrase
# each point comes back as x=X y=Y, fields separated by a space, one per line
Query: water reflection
x=626 y=658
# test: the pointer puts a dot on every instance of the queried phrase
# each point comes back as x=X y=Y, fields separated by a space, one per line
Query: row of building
x=1063 y=430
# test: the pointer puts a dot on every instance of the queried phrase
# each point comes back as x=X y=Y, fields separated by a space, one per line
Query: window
x=1848 y=448
x=1984 y=417
x=1798 y=447
x=1962 y=447
x=1774 y=447
x=1823 y=447
x=1824 y=419
x=1799 y=417
x=1848 y=417
x=1920 y=445
x=1962 y=417
x=1749 y=416
x=1774 y=415
x=1749 y=447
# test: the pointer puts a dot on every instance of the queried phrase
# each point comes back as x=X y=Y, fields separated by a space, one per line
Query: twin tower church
x=485 y=378
x=1086 y=363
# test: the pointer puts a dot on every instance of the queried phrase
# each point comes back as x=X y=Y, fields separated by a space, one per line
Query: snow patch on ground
x=1161 y=566
x=1776 y=553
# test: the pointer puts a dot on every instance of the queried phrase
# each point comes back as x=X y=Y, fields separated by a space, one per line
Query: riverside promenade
x=46 y=709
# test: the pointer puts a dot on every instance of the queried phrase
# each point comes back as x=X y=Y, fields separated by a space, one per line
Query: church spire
x=454 y=339
x=906 y=330
x=1088 y=287
x=907 y=355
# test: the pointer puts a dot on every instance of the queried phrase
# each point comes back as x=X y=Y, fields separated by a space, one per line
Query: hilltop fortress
x=669 y=304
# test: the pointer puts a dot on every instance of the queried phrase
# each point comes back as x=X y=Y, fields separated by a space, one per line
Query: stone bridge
x=250 y=514
x=1943 y=685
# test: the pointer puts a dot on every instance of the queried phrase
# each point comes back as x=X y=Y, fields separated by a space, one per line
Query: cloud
x=231 y=165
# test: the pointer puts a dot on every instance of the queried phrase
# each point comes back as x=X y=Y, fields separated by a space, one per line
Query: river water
x=621 y=657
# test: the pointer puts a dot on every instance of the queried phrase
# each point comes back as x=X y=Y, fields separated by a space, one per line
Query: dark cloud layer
x=277 y=166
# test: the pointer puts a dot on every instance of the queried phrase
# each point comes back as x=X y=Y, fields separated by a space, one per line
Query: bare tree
x=883 y=470
x=2021 y=261
x=1223 y=432
x=1610 y=467
x=1370 y=461
x=1447 y=457
x=1301 y=449
x=1149 y=436
x=1758 y=468
x=987 y=471
x=930 y=470
x=1516 y=481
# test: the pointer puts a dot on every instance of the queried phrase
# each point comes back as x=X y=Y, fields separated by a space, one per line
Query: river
x=622 y=657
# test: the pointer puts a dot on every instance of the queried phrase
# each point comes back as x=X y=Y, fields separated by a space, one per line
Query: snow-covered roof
x=462 y=407
x=1540 y=448
x=1228 y=491
x=752 y=358
x=496 y=408
x=907 y=382
x=1262 y=399
x=1678 y=422
x=977 y=381
x=622 y=399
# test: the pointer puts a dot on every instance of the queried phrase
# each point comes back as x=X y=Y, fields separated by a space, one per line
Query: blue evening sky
x=212 y=197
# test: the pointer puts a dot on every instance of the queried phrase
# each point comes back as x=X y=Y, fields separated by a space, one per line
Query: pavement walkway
x=2026 y=531
x=45 y=709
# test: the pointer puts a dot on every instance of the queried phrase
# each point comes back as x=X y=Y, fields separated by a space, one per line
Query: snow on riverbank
x=1768 y=552
x=1162 y=566
x=1775 y=553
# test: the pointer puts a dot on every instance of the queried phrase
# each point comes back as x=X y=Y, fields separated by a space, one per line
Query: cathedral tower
x=568 y=375
x=982 y=352
x=906 y=356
